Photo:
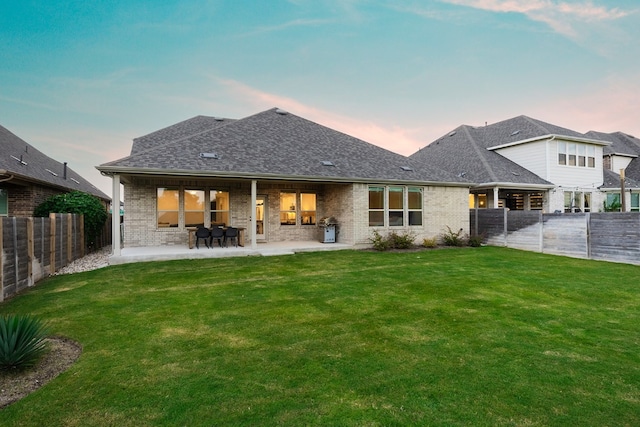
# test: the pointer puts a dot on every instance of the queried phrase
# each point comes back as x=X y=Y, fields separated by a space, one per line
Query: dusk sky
x=80 y=79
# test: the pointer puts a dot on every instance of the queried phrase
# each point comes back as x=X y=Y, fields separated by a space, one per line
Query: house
x=28 y=177
x=621 y=156
x=526 y=164
x=277 y=175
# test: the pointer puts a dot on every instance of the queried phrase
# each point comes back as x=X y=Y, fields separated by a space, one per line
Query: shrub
x=430 y=242
x=451 y=238
x=401 y=241
x=95 y=215
x=379 y=242
x=475 y=241
x=21 y=341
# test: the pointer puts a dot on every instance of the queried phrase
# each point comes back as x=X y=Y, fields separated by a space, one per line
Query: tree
x=95 y=215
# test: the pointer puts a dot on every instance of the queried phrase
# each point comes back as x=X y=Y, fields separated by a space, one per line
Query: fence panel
x=523 y=230
x=566 y=234
x=615 y=236
x=34 y=248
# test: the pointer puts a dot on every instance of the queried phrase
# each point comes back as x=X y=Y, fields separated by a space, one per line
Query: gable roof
x=20 y=161
x=466 y=150
x=275 y=144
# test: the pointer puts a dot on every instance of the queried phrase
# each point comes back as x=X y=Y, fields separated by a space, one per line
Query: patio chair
x=202 y=233
x=217 y=234
x=231 y=234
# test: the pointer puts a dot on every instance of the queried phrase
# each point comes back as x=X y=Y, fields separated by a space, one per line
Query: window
x=394 y=206
x=571 y=149
x=287 y=208
x=194 y=208
x=219 y=208
x=536 y=201
x=582 y=158
x=635 y=202
x=591 y=156
x=562 y=153
x=168 y=207
x=576 y=154
x=308 y=208
x=587 y=202
x=376 y=206
x=4 y=202
x=415 y=206
x=577 y=201
x=613 y=202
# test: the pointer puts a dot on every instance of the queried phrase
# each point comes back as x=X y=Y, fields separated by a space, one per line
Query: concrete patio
x=165 y=253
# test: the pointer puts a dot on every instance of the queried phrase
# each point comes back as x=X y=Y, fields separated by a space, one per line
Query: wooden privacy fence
x=609 y=236
x=34 y=248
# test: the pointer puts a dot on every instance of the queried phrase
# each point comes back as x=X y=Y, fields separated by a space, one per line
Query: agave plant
x=22 y=341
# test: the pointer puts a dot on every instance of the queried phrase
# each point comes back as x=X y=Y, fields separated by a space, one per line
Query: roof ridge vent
x=452 y=133
x=219 y=119
x=406 y=168
x=327 y=163
x=281 y=111
x=51 y=172
x=209 y=156
x=514 y=133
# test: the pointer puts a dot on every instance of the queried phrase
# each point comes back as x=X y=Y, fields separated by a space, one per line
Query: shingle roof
x=465 y=151
x=621 y=143
x=184 y=129
x=24 y=162
x=612 y=180
x=278 y=144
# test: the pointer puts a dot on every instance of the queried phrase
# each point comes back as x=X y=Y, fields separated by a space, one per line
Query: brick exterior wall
x=348 y=203
x=22 y=200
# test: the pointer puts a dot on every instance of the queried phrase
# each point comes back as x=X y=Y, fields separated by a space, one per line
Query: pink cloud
x=393 y=137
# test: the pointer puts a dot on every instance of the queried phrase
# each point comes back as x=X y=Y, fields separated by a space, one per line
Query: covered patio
x=167 y=253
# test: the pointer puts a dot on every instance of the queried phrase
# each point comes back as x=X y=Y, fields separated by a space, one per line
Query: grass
x=465 y=336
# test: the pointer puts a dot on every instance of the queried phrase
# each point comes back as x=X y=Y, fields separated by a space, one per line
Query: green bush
x=95 y=214
x=451 y=238
x=379 y=242
x=476 y=241
x=401 y=241
x=21 y=341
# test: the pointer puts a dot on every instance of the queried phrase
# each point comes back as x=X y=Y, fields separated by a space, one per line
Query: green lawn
x=468 y=336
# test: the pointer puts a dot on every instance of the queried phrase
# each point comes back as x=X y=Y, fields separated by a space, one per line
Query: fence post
x=69 y=238
x=506 y=227
x=30 y=251
x=541 y=237
x=52 y=243
x=82 y=239
x=588 y=227
x=1 y=257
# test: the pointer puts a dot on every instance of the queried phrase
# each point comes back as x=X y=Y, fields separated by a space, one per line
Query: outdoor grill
x=327 y=229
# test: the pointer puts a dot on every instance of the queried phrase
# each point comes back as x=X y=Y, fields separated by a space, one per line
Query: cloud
x=393 y=137
x=562 y=17
x=290 y=24
x=608 y=106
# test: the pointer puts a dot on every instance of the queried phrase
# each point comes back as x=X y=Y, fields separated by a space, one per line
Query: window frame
x=4 y=202
x=201 y=210
x=224 y=212
x=291 y=216
x=387 y=215
x=160 y=212
x=576 y=154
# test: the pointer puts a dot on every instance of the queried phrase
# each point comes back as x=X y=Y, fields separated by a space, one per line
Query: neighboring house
x=28 y=177
x=524 y=164
x=622 y=155
x=277 y=174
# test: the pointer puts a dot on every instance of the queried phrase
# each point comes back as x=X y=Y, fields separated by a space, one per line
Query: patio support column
x=254 y=196
x=115 y=215
x=495 y=198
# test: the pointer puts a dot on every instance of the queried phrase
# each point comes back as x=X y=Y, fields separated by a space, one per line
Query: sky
x=80 y=79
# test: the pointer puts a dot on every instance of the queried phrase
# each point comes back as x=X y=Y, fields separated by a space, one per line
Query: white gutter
x=236 y=175
x=551 y=136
